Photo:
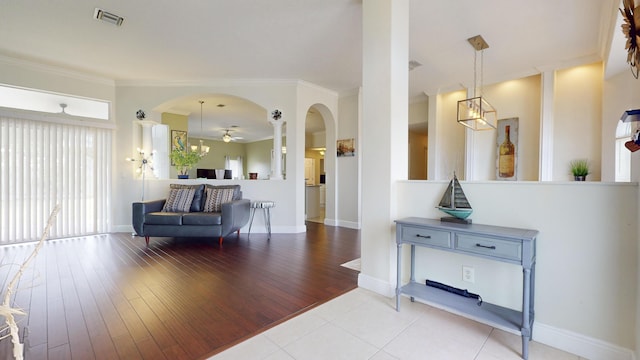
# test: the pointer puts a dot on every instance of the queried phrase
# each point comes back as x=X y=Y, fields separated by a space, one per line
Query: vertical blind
x=46 y=163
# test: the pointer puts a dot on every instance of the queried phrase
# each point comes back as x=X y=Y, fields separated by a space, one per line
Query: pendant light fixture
x=476 y=113
x=204 y=149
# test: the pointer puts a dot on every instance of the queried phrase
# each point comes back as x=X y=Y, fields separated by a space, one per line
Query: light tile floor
x=365 y=325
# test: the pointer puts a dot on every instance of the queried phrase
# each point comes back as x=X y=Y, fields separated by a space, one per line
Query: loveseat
x=201 y=210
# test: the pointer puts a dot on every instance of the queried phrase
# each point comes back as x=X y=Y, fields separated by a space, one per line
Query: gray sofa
x=153 y=218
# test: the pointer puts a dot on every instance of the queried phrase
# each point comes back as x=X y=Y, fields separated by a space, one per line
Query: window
x=233 y=165
x=52 y=159
x=623 y=156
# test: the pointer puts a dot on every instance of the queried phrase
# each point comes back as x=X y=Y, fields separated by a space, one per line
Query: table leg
x=398 y=276
x=267 y=221
x=413 y=263
x=526 y=308
x=253 y=212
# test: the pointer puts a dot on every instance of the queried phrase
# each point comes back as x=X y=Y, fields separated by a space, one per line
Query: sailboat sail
x=454 y=202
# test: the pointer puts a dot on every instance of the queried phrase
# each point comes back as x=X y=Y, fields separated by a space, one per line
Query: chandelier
x=476 y=113
x=204 y=149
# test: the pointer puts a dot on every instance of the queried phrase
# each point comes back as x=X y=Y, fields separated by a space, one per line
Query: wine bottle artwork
x=506 y=162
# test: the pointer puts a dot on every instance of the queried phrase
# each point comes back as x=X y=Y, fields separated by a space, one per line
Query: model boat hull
x=459 y=213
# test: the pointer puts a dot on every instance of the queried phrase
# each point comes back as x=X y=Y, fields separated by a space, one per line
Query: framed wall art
x=507 y=149
x=346 y=147
x=178 y=140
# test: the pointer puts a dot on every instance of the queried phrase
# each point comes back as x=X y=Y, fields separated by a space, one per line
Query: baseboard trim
x=122 y=228
x=331 y=222
x=578 y=344
x=347 y=224
x=376 y=285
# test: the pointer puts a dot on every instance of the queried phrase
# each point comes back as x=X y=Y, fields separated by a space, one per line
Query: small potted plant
x=184 y=160
x=580 y=169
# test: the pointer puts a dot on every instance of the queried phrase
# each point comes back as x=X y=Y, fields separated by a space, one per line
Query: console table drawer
x=489 y=246
x=427 y=237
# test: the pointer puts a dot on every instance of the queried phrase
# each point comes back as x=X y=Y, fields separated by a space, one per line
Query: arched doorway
x=314 y=166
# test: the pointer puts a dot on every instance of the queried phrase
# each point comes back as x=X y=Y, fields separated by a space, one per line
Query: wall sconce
x=476 y=113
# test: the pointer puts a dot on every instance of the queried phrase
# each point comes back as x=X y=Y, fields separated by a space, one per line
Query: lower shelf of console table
x=493 y=315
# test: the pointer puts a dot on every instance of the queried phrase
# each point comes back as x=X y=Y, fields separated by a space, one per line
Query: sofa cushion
x=237 y=194
x=198 y=197
x=179 y=199
x=163 y=218
x=216 y=197
x=202 y=218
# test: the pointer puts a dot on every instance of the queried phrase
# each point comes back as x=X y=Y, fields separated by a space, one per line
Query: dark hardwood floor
x=111 y=297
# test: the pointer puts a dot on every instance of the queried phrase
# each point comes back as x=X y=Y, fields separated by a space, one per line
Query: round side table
x=266 y=206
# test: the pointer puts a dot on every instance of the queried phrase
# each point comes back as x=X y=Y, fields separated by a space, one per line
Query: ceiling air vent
x=105 y=16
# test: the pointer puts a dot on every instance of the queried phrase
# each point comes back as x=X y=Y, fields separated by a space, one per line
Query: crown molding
x=318 y=87
x=205 y=82
x=54 y=70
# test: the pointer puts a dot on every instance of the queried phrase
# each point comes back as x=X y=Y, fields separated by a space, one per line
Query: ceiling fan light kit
x=226 y=137
x=475 y=112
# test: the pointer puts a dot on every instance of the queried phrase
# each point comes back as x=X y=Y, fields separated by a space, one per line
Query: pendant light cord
x=201 y=132
x=475 y=75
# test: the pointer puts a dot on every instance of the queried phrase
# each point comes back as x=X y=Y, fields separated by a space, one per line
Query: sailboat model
x=455 y=203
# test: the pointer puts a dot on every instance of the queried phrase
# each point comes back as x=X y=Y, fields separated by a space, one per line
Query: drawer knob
x=492 y=247
x=424 y=236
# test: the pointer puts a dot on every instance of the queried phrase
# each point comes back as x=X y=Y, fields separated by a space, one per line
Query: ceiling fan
x=631 y=29
x=226 y=137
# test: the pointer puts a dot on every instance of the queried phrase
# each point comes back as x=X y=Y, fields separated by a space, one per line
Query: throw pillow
x=217 y=197
x=196 y=203
x=179 y=200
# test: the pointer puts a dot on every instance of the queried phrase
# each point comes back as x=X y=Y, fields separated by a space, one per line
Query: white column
x=147 y=138
x=546 y=127
x=277 y=149
x=384 y=141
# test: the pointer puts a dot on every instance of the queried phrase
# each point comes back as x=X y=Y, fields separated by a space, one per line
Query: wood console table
x=511 y=245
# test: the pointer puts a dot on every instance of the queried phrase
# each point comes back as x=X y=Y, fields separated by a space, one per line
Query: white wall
x=37 y=76
x=418 y=112
x=446 y=137
x=621 y=92
x=586 y=252
x=577 y=119
x=515 y=98
x=348 y=214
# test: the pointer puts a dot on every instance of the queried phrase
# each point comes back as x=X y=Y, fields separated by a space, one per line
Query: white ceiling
x=318 y=41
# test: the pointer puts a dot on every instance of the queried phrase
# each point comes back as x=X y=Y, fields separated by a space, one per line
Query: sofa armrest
x=140 y=208
x=235 y=215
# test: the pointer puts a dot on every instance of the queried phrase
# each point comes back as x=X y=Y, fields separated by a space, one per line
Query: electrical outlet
x=468 y=274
